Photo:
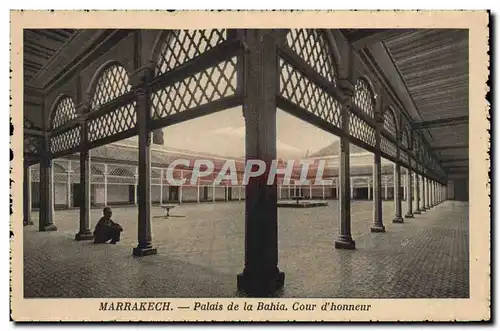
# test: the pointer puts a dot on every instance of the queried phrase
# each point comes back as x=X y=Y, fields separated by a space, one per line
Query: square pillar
x=105 y=184
x=69 y=203
x=378 y=224
x=84 y=232
x=422 y=193
x=344 y=238
x=385 y=189
x=397 y=196
x=144 y=231
x=409 y=190
x=161 y=187
x=261 y=275
x=369 y=189
x=136 y=177
x=46 y=183
x=27 y=195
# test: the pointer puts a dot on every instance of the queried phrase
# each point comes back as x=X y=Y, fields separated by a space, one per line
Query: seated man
x=106 y=229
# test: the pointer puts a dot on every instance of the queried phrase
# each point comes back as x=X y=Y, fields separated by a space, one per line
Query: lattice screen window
x=312 y=46
x=299 y=90
x=60 y=173
x=65 y=140
x=203 y=87
x=35 y=173
x=97 y=171
x=390 y=122
x=182 y=46
x=121 y=176
x=122 y=119
x=404 y=157
x=361 y=130
x=363 y=97
x=387 y=146
x=64 y=112
x=112 y=83
x=404 y=138
x=155 y=176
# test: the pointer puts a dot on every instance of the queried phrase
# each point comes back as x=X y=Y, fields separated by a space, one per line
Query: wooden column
x=351 y=185
x=27 y=195
x=378 y=224
x=343 y=183
x=46 y=203
x=424 y=189
x=369 y=189
x=85 y=232
x=161 y=187
x=417 y=194
x=409 y=190
x=261 y=275
x=136 y=177
x=68 y=186
x=144 y=232
x=397 y=196
x=404 y=179
x=105 y=184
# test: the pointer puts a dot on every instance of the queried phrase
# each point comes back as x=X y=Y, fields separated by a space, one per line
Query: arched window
x=363 y=97
x=63 y=112
x=390 y=122
x=312 y=46
x=112 y=83
x=181 y=46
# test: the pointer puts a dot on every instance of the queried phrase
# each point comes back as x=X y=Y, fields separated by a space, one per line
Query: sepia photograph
x=289 y=172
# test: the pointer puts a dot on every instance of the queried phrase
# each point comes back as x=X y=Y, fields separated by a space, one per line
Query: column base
x=50 y=227
x=345 y=243
x=84 y=236
x=398 y=219
x=417 y=212
x=144 y=251
x=377 y=228
x=409 y=215
x=28 y=222
x=258 y=284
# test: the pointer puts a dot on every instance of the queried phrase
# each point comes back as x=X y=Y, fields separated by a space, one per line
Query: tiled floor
x=200 y=254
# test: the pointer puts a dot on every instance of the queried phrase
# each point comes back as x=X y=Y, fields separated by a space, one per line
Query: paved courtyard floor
x=200 y=254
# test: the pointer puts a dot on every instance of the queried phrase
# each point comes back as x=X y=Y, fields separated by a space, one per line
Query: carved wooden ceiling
x=40 y=46
x=434 y=65
x=428 y=68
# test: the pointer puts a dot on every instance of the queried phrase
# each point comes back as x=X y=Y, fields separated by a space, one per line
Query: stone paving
x=200 y=254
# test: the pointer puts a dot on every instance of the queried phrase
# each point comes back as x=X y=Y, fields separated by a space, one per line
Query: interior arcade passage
x=381 y=114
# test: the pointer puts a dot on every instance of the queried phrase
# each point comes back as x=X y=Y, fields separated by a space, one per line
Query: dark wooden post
x=344 y=238
x=46 y=222
x=378 y=224
x=27 y=195
x=140 y=80
x=261 y=275
x=84 y=232
x=417 y=189
x=409 y=190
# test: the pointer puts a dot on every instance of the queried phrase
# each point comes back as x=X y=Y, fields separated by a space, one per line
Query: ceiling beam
x=438 y=148
x=365 y=38
x=454 y=160
x=450 y=121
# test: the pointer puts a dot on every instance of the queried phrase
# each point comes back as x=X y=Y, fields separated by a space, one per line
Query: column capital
x=142 y=76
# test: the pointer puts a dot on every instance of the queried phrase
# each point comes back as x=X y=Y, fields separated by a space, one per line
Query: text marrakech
x=135 y=306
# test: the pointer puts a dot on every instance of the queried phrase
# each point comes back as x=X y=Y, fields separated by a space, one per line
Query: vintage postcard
x=250 y=166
